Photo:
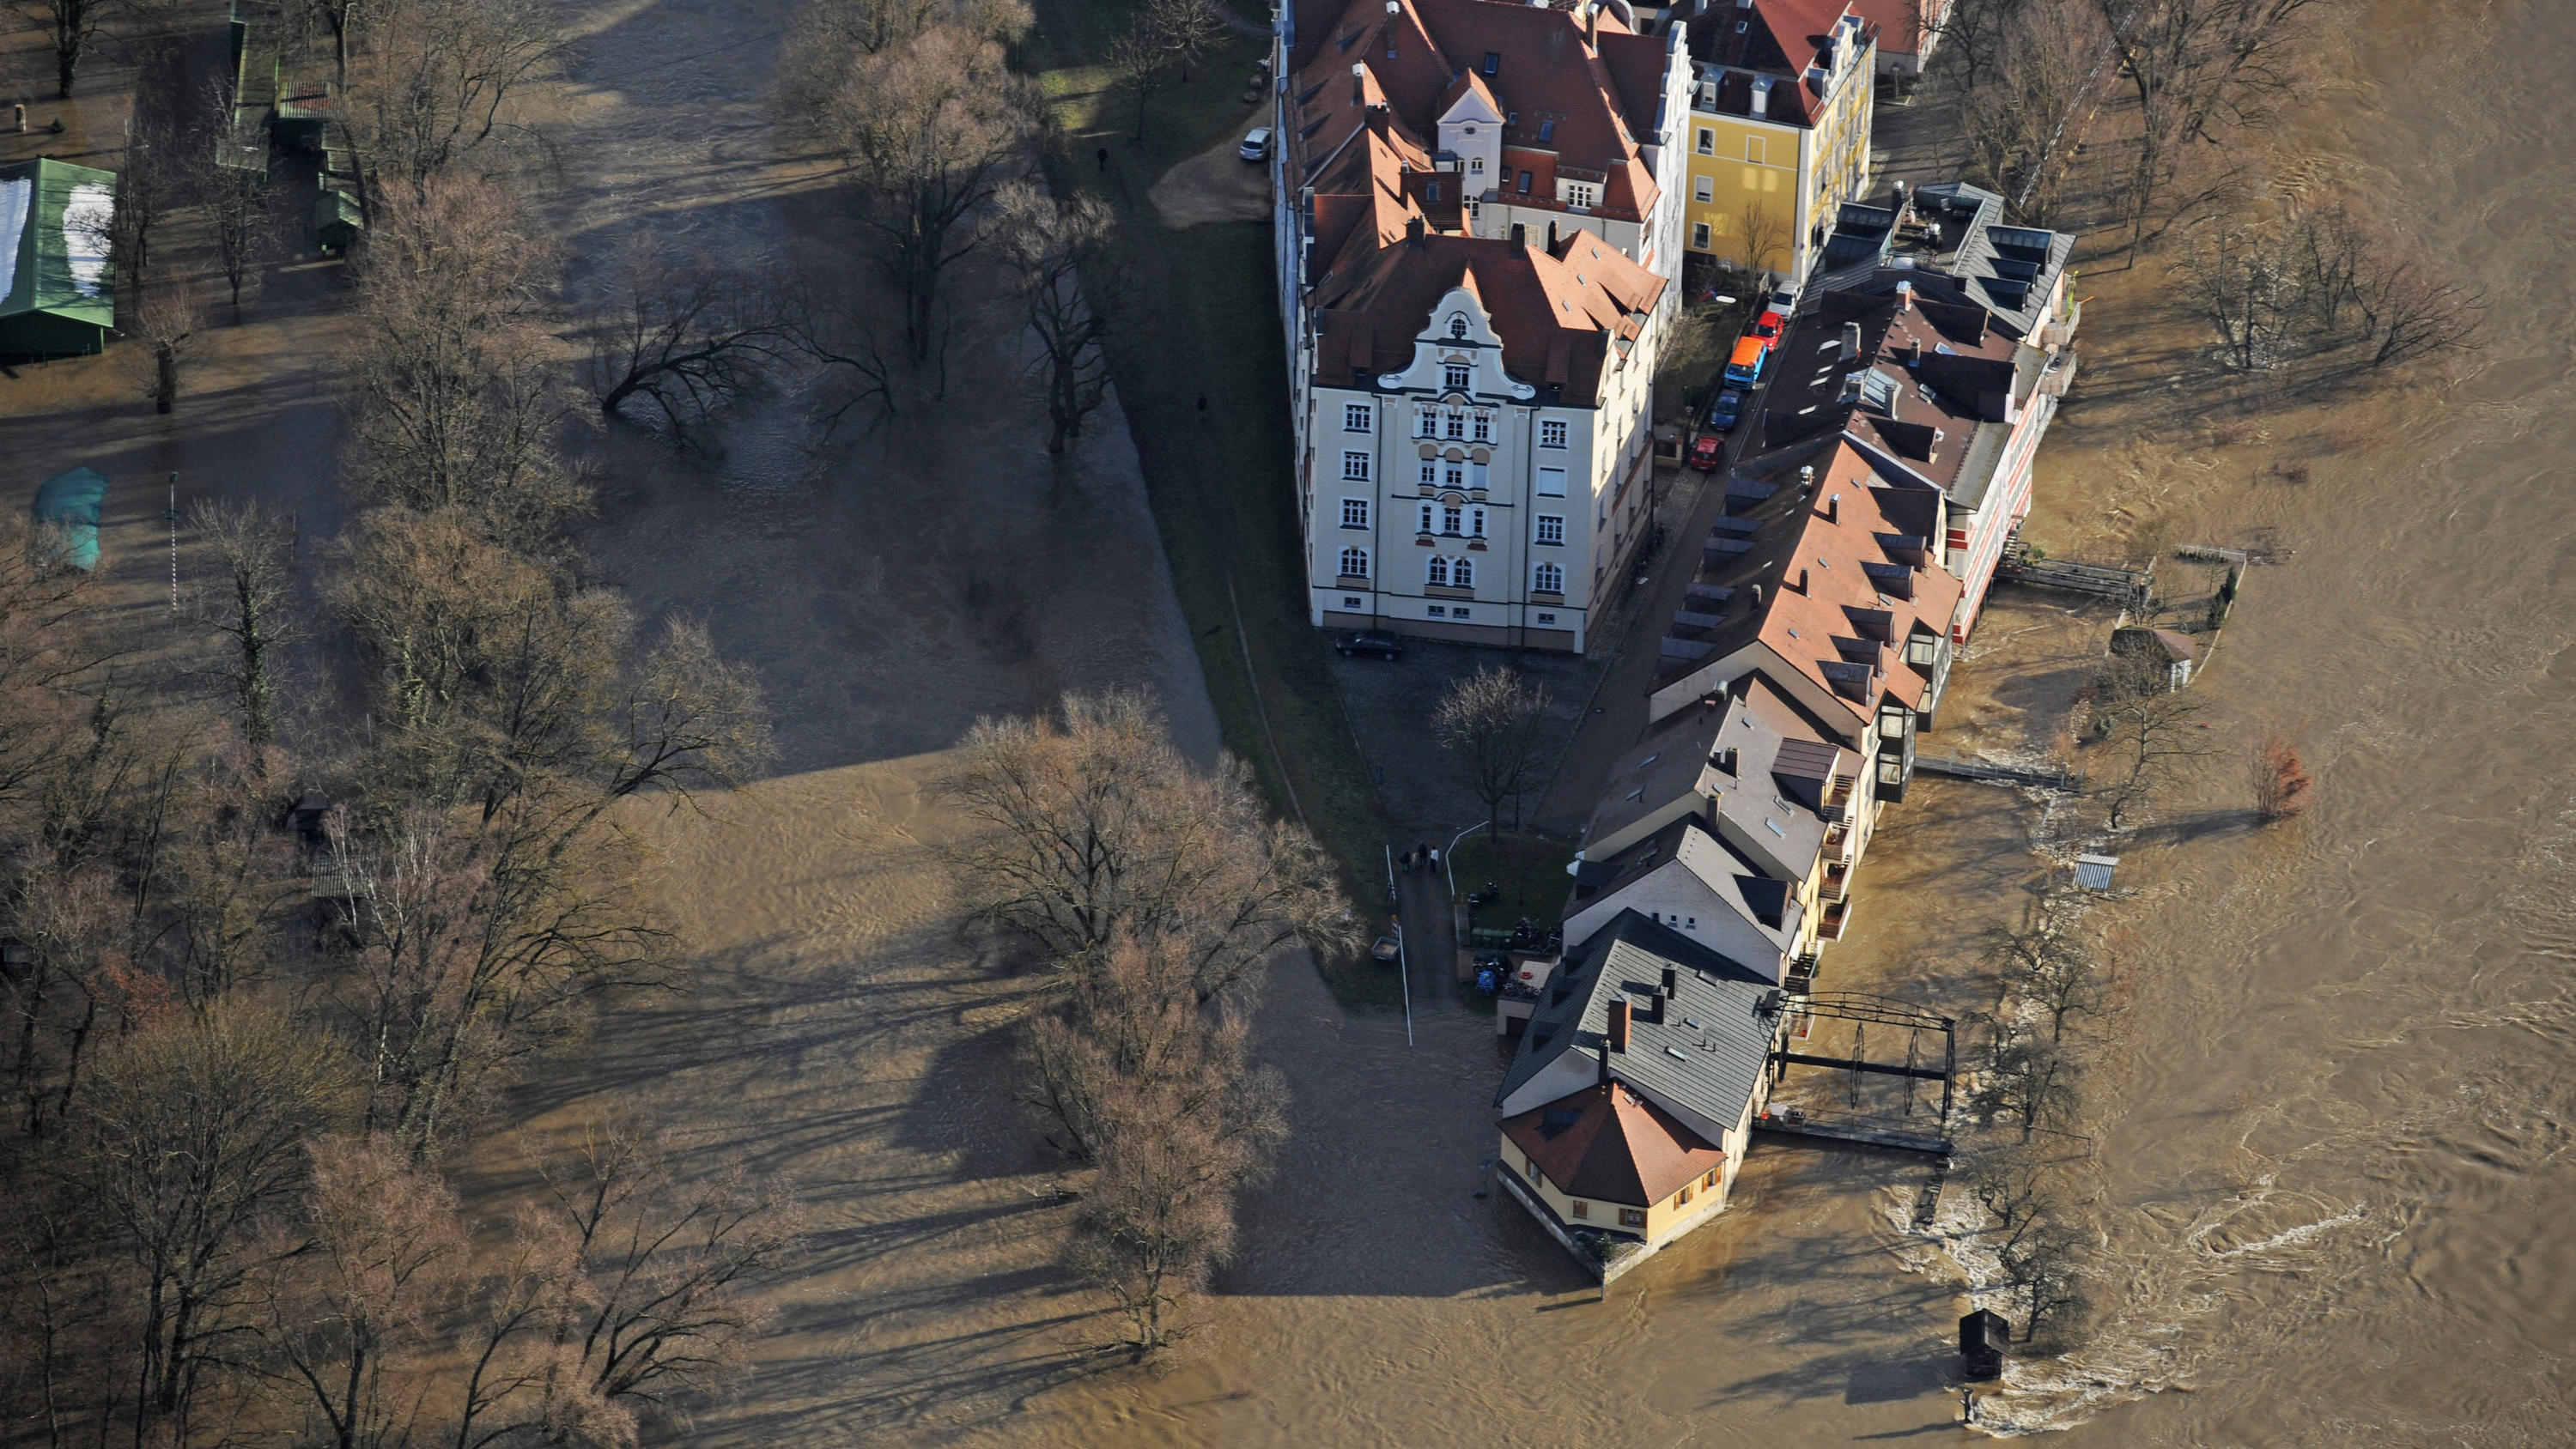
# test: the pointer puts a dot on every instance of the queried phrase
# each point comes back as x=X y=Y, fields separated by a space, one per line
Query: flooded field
x=2333 y=1134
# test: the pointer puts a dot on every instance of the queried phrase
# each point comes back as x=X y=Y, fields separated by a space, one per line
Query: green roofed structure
x=68 y=505
x=57 y=295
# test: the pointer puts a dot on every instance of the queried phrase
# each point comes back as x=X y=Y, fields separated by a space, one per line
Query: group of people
x=1420 y=855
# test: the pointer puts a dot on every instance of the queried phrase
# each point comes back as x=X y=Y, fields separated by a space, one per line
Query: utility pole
x=173 y=516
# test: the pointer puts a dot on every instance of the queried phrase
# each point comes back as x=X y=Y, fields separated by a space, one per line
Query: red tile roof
x=1609 y=1144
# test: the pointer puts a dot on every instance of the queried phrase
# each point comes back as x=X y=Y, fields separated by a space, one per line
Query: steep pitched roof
x=1559 y=313
x=1917 y=379
x=1702 y=1051
x=1608 y=1143
x=1834 y=578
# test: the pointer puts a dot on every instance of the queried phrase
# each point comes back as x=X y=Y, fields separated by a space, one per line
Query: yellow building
x=1779 y=128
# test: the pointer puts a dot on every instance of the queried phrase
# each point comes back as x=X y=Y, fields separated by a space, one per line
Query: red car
x=1768 y=326
x=1704 y=451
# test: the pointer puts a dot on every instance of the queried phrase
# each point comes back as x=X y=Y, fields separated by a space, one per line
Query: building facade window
x=1435 y=571
x=1551 y=482
x=1699 y=236
x=1355 y=512
x=1707 y=141
x=1353 y=601
x=1581 y=1208
x=1525 y=183
x=1455 y=423
x=1551 y=528
x=1475 y=164
x=1462 y=573
x=1703 y=189
x=1355 y=467
x=1454 y=475
x=1548 y=579
x=1551 y=433
x=1547 y=618
x=1484 y=427
x=1458 y=324
x=1459 y=613
x=1430 y=473
x=1355 y=563
x=1357 y=417
x=1632 y=1217
x=1454 y=377
x=1475 y=523
x=1425 y=520
x=1449 y=521
x=1425 y=423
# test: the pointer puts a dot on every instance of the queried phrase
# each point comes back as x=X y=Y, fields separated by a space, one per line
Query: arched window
x=1549 y=580
x=1355 y=563
x=1462 y=573
x=1457 y=324
x=1436 y=571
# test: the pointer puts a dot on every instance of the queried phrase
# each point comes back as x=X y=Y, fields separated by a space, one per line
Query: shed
x=2178 y=653
x=2093 y=872
x=1985 y=1336
x=71 y=502
x=57 y=295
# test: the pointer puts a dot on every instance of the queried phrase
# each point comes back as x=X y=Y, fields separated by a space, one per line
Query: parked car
x=1380 y=645
x=1724 y=413
x=1705 y=451
x=1770 y=325
x=1784 y=298
x=1256 y=144
x=1744 y=369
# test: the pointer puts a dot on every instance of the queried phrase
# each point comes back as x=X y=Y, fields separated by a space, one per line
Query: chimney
x=1905 y=296
x=1757 y=598
x=1551 y=234
x=1413 y=232
x=1761 y=105
x=1672 y=978
x=1726 y=760
x=1520 y=236
x=1834 y=509
x=1359 y=85
x=1802 y=581
x=1605 y=1062
x=1592 y=25
x=1618 y=1039
x=1806 y=480
x=1851 y=341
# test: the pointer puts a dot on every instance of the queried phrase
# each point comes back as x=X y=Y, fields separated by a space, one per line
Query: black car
x=1378 y=644
x=1723 y=413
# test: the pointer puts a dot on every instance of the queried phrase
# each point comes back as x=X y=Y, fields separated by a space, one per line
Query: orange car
x=1744 y=369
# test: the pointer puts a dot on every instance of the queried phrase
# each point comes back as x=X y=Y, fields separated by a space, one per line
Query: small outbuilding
x=2176 y=654
x=57 y=294
x=67 y=513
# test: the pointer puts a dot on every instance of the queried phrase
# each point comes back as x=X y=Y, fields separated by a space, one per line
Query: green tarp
x=71 y=503
x=57 y=295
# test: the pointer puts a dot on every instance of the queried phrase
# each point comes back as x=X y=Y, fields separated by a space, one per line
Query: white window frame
x=1455 y=422
x=1475 y=523
x=1703 y=189
x=1458 y=325
x=1551 y=528
x=1707 y=141
x=1435 y=572
x=1355 y=513
x=1351 y=555
x=1450 y=518
x=1484 y=427
x=1547 y=476
x=1547 y=578
x=1355 y=467
x=1699 y=236
x=1462 y=573
x=1425 y=519
x=1551 y=432
x=1456 y=377
x=1358 y=417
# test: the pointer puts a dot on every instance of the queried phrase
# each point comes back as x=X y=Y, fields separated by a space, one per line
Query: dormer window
x=1493 y=61
x=1458 y=325
x=1454 y=377
x=1546 y=132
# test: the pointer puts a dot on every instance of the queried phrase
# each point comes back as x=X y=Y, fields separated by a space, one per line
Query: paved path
x=1430 y=942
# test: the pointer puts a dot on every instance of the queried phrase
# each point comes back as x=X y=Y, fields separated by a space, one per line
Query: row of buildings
x=1484 y=215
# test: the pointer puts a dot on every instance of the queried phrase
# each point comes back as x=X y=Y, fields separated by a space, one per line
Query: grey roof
x=1703 y=1051
x=2010 y=270
x=1764 y=905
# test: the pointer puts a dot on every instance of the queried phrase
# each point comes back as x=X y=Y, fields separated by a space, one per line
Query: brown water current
x=2332 y=1132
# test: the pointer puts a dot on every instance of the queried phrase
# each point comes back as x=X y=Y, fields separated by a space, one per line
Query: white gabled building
x=1476 y=246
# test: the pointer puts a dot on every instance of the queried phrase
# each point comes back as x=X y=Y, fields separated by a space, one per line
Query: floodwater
x=2331 y=1135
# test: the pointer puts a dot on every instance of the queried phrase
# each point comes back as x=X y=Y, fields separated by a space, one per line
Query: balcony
x=1838 y=840
x=1837 y=919
x=1837 y=883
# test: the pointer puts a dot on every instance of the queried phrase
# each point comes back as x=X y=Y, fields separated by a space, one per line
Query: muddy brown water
x=2332 y=1136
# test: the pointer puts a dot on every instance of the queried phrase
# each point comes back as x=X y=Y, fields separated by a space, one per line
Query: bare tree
x=237 y=198
x=1137 y=1025
x=1766 y=237
x=455 y=394
x=2025 y=124
x=2050 y=966
x=2281 y=784
x=166 y=321
x=2045 y=1268
x=929 y=129
x=256 y=613
x=1174 y=1138
x=654 y=1301
x=43 y=654
x=1071 y=290
x=1161 y=39
x=2153 y=728
x=1098 y=830
x=2194 y=67
x=688 y=338
x=189 y=1143
x=2028 y=1080
x=690 y=718
x=74 y=25
x=356 y=1290
x=1490 y=723
x=153 y=185
x=429 y=83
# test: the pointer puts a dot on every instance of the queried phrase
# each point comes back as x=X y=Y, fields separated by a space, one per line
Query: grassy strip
x=1529 y=870
x=1219 y=476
